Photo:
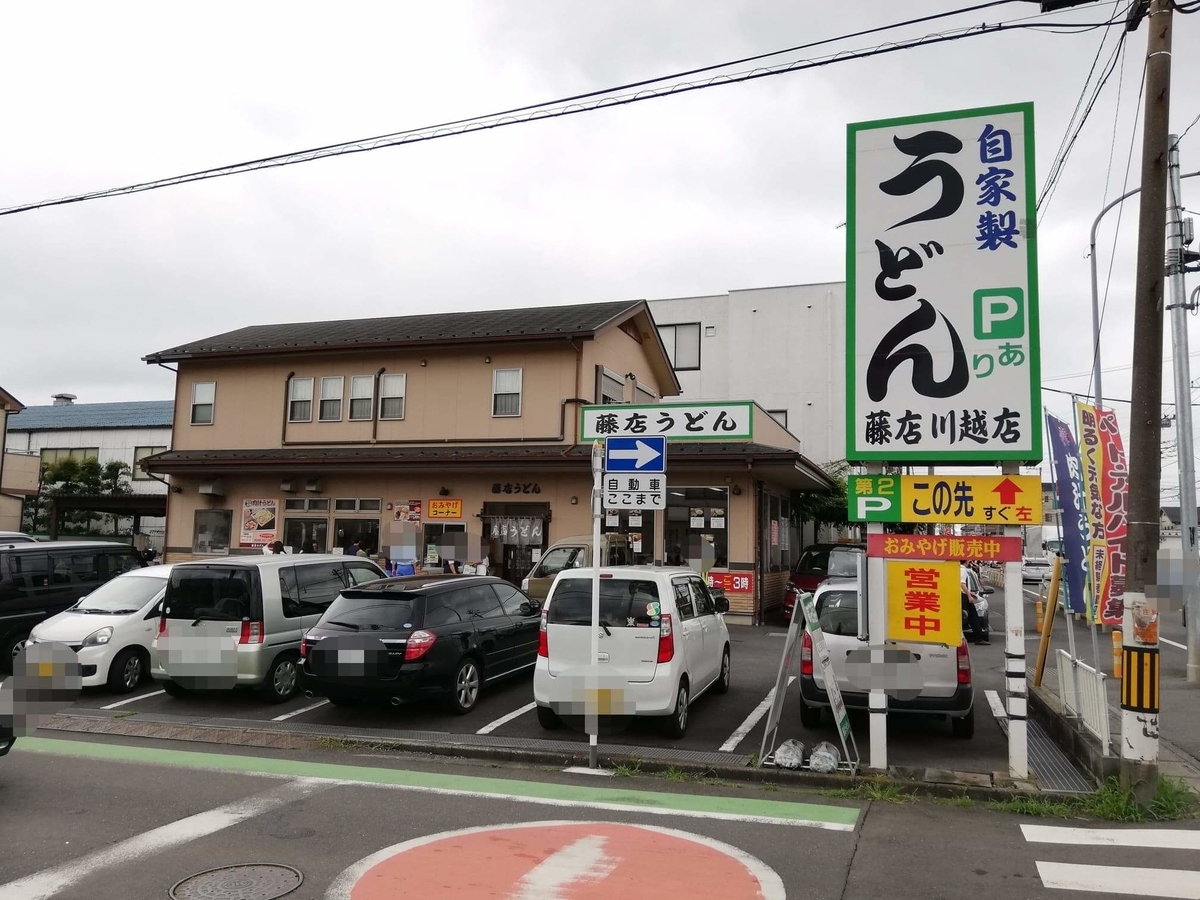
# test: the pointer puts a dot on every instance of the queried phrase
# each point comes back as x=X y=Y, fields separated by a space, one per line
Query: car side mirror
x=527 y=608
x=722 y=604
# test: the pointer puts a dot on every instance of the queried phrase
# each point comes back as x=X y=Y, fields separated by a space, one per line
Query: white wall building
x=783 y=346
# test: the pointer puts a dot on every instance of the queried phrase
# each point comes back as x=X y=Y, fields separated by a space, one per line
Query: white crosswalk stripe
x=1131 y=881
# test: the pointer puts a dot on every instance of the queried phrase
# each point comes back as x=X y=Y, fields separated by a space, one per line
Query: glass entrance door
x=299 y=535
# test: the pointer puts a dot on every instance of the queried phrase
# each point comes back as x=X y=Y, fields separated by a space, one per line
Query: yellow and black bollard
x=1116 y=641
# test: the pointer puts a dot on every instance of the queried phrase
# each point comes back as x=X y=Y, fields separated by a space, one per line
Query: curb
x=912 y=779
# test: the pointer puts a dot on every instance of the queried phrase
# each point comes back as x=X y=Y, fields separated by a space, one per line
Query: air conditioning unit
x=313 y=486
x=213 y=488
x=288 y=487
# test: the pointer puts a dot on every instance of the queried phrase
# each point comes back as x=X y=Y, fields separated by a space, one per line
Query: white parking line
x=49 y=882
x=993 y=699
x=302 y=709
x=492 y=726
x=751 y=720
x=132 y=699
x=1172 y=643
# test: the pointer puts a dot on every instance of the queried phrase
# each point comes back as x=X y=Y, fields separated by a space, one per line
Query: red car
x=816 y=563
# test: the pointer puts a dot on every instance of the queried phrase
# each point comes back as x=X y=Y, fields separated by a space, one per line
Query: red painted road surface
x=567 y=860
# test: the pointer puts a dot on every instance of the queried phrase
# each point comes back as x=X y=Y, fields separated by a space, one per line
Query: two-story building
x=18 y=471
x=400 y=431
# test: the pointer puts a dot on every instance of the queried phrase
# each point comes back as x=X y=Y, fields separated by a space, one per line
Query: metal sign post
x=593 y=687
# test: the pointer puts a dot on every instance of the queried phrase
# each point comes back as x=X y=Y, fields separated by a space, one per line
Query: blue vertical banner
x=1068 y=484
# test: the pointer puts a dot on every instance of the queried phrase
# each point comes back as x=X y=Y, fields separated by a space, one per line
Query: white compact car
x=663 y=643
x=1035 y=568
x=112 y=629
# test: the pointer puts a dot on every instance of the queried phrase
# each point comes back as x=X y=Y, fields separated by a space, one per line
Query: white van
x=663 y=643
x=574 y=553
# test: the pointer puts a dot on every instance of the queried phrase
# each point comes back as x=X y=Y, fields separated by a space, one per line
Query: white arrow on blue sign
x=635 y=454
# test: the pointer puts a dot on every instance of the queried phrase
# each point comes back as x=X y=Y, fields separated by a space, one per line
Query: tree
x=69 y=477
x=826 y=508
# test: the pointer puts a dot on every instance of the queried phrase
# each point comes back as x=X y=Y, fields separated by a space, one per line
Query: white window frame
x=292 y=399
x=520 y=388
x=602 y=397
x=152 y=449
x=384 y=380
x=356 y=394
x=776 y=413
x=672 y=345
x=211 y=403
x=375 y=505
x=341 y=393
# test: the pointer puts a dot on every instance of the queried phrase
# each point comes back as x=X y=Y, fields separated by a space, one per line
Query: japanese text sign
x=445 y=509
x=1105 y=478
x=1068 y=481
x=259 y=523
x=943 y=547
x=941 y=291
x=732 y=582
x=968 y=499
x=924 y=602
x=635 y=491
x=674 y=421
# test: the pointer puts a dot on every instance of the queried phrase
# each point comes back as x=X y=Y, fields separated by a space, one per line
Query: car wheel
x=126 y=670
x=548 y=718
x=722 y=685
x=677 y=722
x=9 y=651
x=465 y=693
x=282 y=681
x=174 y=689
x=964 y=727
x=810 y=716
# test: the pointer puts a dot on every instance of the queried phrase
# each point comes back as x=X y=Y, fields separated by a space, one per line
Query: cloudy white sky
x=735 y=187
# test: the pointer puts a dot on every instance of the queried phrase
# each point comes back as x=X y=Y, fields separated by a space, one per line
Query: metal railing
x=1083 y=695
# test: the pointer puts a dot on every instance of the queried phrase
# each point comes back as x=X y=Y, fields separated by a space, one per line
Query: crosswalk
x=1130 y=881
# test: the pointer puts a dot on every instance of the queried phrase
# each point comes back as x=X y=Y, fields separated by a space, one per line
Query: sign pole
x=1014 y=657
x=877 y=634
x=593 y=717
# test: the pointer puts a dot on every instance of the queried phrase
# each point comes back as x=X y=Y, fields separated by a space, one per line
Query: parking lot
x=733 y=722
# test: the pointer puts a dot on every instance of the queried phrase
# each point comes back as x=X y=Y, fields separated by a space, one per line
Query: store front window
x=440 y=545
x=299 y=534
x=697 y=528
x=638 y=526
x=347 y=530
x=516 y=535
x=776 y=533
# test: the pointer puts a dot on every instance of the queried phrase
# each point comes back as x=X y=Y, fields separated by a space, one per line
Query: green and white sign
x=942 y=349
x=821 y=654
x=674 y=421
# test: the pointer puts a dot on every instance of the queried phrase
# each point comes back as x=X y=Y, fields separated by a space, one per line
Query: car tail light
x=666 y=640
x=162 y=625
x=543 y=638
x=964 y=664
x=304 y=647
x=806 y=662
x=252 y=632
x=418 y=644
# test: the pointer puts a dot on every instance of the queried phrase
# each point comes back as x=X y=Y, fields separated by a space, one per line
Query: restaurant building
x=423 y=436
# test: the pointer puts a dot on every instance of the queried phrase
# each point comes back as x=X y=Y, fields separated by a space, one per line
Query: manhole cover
x=248 y=882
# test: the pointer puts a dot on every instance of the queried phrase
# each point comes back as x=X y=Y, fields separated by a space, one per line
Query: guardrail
x=1083 y=695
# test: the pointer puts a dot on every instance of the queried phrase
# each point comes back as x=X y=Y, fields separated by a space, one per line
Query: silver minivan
x=238 y=622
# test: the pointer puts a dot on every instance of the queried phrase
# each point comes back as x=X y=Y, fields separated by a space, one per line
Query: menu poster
x=635 y=520
x=259 y=522
x=408 y=511
x=612 y=520
x=718 y=517
x=697 y=519
x=635 y=541
x=774 y=532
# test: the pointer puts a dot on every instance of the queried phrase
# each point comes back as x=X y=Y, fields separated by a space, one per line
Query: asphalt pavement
x=105 y=820
x=731 y=723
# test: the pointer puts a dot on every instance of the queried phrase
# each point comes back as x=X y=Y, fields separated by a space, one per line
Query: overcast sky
x=734 y=187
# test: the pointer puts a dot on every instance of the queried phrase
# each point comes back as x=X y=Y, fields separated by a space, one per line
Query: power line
x=1076 y=395
x=581 y=103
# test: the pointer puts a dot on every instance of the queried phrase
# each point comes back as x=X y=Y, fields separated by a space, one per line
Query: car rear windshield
x=371 y=610
x=623 y=602
x=838 y=612
x=125 y=594
x=213 y=592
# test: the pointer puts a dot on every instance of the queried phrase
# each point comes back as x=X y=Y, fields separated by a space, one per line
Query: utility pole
x=1139 y=708
x=1179 y=235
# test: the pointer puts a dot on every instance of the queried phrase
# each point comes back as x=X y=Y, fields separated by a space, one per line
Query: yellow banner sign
x=965 y=499
x=924 y=602
x=445 y=509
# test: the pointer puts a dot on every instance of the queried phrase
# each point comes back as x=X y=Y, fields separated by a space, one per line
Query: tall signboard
x=941 y=289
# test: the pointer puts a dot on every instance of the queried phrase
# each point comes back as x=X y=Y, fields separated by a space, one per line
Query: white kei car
x=663 y=643
x=112 y=629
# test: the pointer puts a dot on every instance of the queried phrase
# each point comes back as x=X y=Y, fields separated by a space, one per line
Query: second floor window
x=612 y=390
x=204 y=395
x=300 y=397
x=683 y=344
x=506 y=392
x=362 y=394
x=331 y=398
x=391 y=396
x=53 y=454
x=140 y=453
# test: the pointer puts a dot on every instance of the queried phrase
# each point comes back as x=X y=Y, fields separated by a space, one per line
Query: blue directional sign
x=636 y=454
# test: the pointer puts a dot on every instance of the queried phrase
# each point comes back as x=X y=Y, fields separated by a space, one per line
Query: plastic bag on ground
x=824 y=758
x=790 y=754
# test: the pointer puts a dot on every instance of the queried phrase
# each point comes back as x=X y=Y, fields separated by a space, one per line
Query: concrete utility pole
x=1140 y=671
x=1179 y=235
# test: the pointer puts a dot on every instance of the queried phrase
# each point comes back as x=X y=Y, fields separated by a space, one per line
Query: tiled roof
x=580 y=320
x=145 y=414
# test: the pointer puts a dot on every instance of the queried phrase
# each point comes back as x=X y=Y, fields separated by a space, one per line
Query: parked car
x=1035 y=568
x=662 y=636
x=39 y=580
x=16 y=537
x=238 y=622
x=444 y=637
x=574 y=553
x=979 y=592
x=816 y=563
x=111 y=629
x=946 y=671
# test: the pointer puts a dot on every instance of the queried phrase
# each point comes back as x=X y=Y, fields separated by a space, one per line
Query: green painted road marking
x=779 y=812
